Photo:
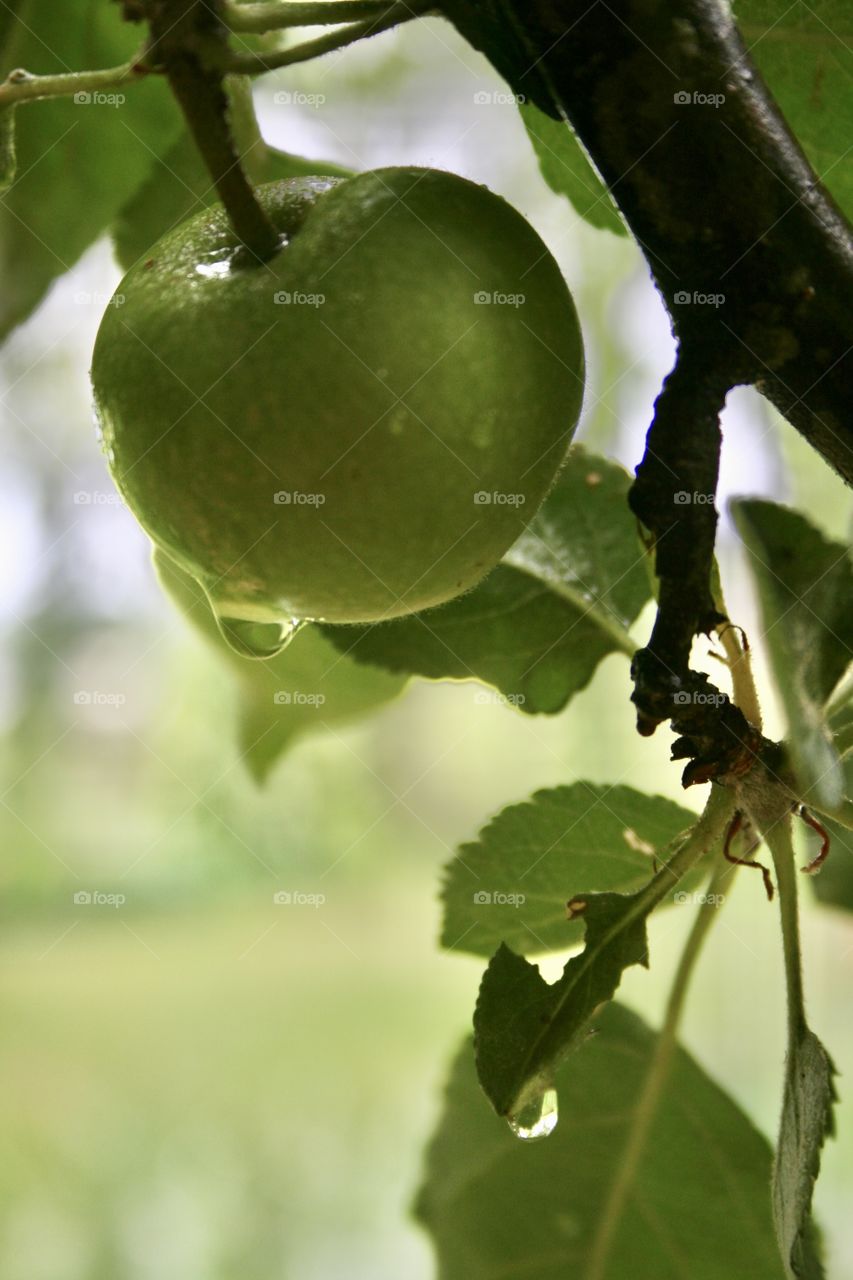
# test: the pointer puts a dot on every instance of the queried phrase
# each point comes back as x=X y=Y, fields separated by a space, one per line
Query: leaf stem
x=253 y=64
x=778 y=839
x=709 y=828
x=248 y=140
x=740 y=666
x=656 y=1078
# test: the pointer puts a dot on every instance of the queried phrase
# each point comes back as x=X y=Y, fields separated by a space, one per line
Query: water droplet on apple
x=253 y=630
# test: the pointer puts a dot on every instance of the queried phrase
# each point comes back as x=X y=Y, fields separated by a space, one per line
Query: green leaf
x=179 y=185
x=540 y=623
x=78 y=162
x=568 y=171
x=807 y=1121
x=805 y=585
x=523 y=1026
x=512 y=884
x=305 y=688
x=497 y=1207
x=804 y=50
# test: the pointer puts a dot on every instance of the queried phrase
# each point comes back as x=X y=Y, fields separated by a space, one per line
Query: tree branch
x=753 y=259
x=721 y=199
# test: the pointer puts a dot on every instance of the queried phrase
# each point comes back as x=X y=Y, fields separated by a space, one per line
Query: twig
x=22 y=86
x=280 y=14
x=253 y=64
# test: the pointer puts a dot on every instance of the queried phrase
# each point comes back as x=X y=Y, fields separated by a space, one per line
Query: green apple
x=358 y=428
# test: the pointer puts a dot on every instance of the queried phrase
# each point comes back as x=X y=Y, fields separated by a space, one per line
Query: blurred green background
x=200 y=1082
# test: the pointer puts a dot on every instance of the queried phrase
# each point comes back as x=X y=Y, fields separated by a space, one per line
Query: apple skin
x=358 y=428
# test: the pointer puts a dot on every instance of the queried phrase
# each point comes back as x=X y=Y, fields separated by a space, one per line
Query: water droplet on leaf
x=538 y=1119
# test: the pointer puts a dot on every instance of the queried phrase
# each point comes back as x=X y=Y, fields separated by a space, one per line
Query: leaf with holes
x=523 y=1026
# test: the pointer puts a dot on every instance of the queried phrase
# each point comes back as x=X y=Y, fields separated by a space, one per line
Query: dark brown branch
x=752 y=258
x=720 y=198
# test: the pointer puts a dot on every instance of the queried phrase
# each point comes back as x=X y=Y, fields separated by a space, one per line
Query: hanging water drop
x=256 y=639
x=538 y=1119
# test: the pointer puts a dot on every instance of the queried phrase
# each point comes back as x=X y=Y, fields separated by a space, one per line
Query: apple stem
x=183 y=32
